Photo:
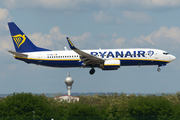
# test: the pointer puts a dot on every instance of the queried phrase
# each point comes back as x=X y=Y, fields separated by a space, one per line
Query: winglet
x=70 y=43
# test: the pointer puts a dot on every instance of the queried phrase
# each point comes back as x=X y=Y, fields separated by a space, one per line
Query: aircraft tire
x=92 y=71
x=159 y=69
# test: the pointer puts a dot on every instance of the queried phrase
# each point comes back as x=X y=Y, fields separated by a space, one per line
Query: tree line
x=107 y=106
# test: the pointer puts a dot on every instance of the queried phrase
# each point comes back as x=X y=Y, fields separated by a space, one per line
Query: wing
x=18 y=54
x=87 y=58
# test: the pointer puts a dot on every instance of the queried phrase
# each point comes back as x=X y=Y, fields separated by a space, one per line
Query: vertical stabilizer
x=21 y=41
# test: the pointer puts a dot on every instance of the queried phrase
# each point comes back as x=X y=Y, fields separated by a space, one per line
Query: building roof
x=65 y=95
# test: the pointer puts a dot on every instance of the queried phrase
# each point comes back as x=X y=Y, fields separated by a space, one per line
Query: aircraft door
x=39 y=58
x=156 y=55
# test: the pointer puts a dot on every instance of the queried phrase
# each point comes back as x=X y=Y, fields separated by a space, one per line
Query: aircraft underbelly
x=77 y=63
x=141 y=62
x=60 y=63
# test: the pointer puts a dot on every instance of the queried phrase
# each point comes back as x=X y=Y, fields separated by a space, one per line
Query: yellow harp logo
x=19 y=39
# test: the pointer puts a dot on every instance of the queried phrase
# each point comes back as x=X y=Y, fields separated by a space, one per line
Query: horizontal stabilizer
x=18 y=54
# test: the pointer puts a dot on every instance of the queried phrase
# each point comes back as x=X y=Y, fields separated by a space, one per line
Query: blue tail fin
x=21 y=41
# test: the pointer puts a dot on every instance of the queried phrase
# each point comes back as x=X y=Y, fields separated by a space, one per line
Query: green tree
x=150 y=106
x=22 y=104
x=78 y=109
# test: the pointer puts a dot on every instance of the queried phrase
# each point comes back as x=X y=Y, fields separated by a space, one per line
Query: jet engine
x=111 y=65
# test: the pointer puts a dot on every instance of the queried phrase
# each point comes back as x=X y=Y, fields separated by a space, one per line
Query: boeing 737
x=105 y=59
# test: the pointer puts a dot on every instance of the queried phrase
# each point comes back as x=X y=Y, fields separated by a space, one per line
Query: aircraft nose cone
x=173 y=58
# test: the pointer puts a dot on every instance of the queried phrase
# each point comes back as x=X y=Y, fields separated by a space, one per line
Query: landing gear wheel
x=92 y=71
x=159 y=69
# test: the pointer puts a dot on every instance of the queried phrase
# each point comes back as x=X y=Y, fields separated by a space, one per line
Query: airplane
x=105 y=59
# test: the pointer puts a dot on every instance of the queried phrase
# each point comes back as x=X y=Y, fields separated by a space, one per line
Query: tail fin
x=21 y=41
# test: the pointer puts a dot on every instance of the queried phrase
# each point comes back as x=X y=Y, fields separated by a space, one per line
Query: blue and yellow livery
x=105 y=59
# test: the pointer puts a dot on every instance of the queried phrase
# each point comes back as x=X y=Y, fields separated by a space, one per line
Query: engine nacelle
x=111 y=65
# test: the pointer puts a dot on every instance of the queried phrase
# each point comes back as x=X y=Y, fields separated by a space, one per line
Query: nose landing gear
x=159 y=69
x=92 y=71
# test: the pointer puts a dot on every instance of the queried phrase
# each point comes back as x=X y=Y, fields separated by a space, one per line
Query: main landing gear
x=92 y=71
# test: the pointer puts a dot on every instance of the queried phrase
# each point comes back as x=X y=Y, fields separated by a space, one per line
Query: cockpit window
x=165 y=53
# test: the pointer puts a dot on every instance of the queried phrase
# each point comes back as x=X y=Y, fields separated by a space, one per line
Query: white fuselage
x=128 y=57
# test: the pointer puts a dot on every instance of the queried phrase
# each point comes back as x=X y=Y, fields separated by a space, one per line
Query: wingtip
x=70 y=44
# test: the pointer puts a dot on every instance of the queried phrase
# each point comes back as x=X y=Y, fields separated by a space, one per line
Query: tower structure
x=69 y=81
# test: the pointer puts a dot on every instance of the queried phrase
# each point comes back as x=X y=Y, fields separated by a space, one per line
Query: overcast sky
x=91 y=24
